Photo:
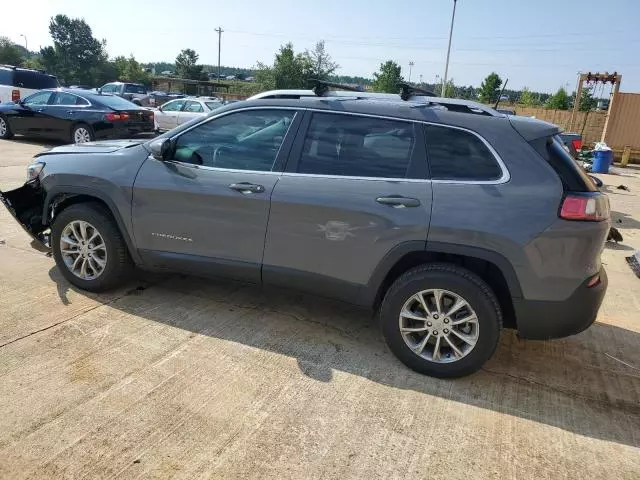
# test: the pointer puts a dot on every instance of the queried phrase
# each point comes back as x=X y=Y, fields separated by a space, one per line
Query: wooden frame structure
x=615 y=78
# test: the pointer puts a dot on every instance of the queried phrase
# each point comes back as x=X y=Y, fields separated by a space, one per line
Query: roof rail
x=13 y=67
x=321 y=87
x=407 y=91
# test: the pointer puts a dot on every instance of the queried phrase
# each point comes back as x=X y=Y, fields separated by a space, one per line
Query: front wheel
x=441 y=320
x=88 y=247
x=81 y=134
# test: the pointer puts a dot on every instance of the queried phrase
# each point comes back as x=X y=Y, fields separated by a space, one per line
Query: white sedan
x=176 y=112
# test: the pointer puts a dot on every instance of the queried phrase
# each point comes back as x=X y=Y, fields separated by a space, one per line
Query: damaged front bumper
x=26 y=204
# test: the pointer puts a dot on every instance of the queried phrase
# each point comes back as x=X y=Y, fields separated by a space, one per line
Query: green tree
x=587 y=102
x=129 y=70
x=76 y=56
x=450 y=89
x=187 y=65
x=10 y=54
x=388 y=78
x=490 y=88
x=289 y=70
x=319 y=62
x=559 y=100
x=528 y=98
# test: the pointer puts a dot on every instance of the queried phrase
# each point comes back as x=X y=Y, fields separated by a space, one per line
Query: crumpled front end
x=26 y=204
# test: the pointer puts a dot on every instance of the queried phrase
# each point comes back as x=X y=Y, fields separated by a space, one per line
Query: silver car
x=177 y=112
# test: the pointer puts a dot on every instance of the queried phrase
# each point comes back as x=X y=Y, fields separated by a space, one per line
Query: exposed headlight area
x=33 y=170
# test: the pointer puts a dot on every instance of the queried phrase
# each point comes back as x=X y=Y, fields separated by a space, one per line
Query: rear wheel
x=441 y=320
x=5 y=129
x=81 y=133
x=88 y=247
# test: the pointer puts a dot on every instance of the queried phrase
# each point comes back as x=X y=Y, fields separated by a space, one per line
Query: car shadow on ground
x=588 y=384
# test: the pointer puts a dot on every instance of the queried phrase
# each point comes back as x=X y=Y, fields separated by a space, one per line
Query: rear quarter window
x=553 y=151
x=459 y=156
x=6 y=77
x=34 y=80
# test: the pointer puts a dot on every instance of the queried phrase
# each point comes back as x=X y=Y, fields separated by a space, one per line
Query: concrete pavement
x=180 y=377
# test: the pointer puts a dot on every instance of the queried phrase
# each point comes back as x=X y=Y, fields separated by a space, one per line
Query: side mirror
x=161 y=149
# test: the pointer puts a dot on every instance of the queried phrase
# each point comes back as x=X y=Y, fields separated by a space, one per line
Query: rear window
x=459 y=155
x=115 y=102
x=573 y=178
x=34 y=80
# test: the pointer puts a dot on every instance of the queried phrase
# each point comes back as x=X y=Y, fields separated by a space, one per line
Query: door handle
x=246 y=187
x=396 y=201
x=40 y=109
x=70 y=112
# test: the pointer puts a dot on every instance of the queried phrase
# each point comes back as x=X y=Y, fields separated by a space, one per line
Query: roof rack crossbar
x=321 y=87
x=407 y=91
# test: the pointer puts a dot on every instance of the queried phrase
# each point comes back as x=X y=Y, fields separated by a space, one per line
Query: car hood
x=104 y=146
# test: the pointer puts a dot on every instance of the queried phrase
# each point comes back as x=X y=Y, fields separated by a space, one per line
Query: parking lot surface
x=182 y=377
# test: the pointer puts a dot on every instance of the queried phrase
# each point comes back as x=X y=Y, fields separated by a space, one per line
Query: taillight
x=592 y=208
x=15 y=95
x=577 y=143
x=115 y=117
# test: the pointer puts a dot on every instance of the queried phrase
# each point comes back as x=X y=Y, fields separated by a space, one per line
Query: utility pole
x=219 y=30
x=420 y=79
x=446 y=67
x=25 y=41
x=411 y=64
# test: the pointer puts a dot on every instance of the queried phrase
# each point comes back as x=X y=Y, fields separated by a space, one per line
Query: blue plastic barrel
x=601 y=161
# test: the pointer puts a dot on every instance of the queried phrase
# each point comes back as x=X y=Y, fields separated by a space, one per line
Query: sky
x=541 y=44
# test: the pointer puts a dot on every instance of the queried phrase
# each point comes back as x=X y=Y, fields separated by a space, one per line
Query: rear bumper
x=541 y=320
x=124 y=131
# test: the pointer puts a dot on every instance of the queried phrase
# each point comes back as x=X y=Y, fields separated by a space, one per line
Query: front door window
x=248 y=140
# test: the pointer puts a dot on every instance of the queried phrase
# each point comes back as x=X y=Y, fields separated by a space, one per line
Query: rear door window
x=193 y=107
x=68 y=99
x=459 y=155
x=355 y=146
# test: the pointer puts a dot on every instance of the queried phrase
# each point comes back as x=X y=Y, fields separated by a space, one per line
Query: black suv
x=17 y=83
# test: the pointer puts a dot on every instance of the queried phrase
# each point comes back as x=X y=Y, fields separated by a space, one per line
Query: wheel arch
x=61 y=197
x=491 y=266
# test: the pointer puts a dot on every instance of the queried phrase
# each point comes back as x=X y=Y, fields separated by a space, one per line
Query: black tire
x=84 y=126
x=459 y=281
x=118 y=263
x=7 y=130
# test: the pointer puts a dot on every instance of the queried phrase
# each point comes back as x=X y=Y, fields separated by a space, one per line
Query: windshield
x=117 y=103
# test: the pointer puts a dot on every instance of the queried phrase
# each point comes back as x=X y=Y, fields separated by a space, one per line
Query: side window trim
x=283 y=152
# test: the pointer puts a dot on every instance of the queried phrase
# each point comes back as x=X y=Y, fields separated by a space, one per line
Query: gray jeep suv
x=450 y=219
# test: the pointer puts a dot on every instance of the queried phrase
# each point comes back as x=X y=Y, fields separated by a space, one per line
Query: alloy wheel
x=439 y=325
x=81 y=135
x=83 y=250
x=3 y=127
